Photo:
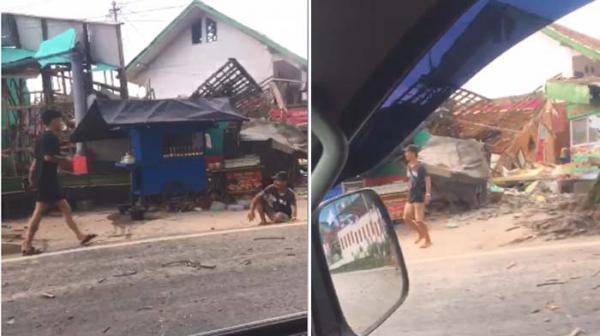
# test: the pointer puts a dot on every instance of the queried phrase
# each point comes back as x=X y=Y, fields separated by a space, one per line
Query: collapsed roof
x=233 y=81
x=494 y=122
x=289 y=137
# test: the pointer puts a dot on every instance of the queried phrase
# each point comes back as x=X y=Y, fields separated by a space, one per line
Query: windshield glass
x=154 y=166
x=496 y=200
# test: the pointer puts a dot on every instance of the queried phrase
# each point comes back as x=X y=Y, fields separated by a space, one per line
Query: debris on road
x=452 y=225
x=550 y=283
x=596 y=287
x=511 y=266
x=247 y=262
x=270 y=238
x=576 y=332
x=106 y=330
x=519 y=240
x=189 y=263
x=513 y=228
x=48 y=295
x=10 y=320
x=535 y=311
x=552 y=306
x=145 y=308
x=101 y=280
x=124 y=274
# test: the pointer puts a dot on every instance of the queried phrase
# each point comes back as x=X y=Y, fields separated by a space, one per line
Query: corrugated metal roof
x=11 y=55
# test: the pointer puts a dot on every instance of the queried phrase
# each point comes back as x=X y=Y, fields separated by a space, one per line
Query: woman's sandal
x=88 y=238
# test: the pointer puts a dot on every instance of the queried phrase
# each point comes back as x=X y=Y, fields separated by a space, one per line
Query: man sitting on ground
x=277 y=201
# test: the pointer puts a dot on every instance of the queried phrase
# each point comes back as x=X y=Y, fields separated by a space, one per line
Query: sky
x=285 y=22
x=526 y=66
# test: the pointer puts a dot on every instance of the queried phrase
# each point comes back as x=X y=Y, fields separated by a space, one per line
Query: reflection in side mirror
x=364 y=258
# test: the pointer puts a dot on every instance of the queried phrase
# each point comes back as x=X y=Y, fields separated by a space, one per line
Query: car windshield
x=154 y=165
x=496 y=200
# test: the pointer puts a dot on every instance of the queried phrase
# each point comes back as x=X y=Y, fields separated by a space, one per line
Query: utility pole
x=114 y=11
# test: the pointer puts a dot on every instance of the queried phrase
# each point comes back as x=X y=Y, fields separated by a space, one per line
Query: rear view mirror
x=363 y=257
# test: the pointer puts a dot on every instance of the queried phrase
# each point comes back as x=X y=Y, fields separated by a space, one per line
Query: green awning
x=54 y=60
x=11 y=55
x=103 y=67
x=54 y=50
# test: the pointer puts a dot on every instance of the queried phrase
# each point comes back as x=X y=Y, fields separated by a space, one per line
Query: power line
x=148 y=20
x=133 y=26
x=156 y=9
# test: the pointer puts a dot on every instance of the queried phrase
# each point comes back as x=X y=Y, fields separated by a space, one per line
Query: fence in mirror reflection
x=363 y=257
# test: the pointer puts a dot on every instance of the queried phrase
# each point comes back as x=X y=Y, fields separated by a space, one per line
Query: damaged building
x=54 y=63
x=517 y=131
x=169 y=66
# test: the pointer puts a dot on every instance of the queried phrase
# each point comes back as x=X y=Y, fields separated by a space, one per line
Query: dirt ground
x=516 y=220
x=112 y=227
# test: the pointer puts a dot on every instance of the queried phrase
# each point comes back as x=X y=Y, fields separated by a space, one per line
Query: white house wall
x=182 y=66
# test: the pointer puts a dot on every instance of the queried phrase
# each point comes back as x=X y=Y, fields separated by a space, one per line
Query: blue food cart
x=167 y=138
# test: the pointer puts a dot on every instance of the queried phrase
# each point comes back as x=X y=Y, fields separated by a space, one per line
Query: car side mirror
x=363 y=257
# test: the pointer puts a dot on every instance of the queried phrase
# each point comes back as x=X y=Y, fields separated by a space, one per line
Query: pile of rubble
x=564 y=214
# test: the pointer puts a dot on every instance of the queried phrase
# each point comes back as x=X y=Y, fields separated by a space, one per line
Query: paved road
x=485 y=295
x=132 y=290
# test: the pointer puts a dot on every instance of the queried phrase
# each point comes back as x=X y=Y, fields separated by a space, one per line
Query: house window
x=211 y=30
x=197 y=32
x=583 y=131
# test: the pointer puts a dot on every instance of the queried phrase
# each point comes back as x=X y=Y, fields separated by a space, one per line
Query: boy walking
x=43 y=174
x=419 y=195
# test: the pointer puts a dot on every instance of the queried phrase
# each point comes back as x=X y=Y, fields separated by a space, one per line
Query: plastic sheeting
x=106 y=118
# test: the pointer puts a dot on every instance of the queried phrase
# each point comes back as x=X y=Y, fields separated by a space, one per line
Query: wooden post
x=122 y=73
x=89 y=85
x=46 y=80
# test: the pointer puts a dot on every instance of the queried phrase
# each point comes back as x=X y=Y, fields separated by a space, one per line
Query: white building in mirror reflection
x=355 y=239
